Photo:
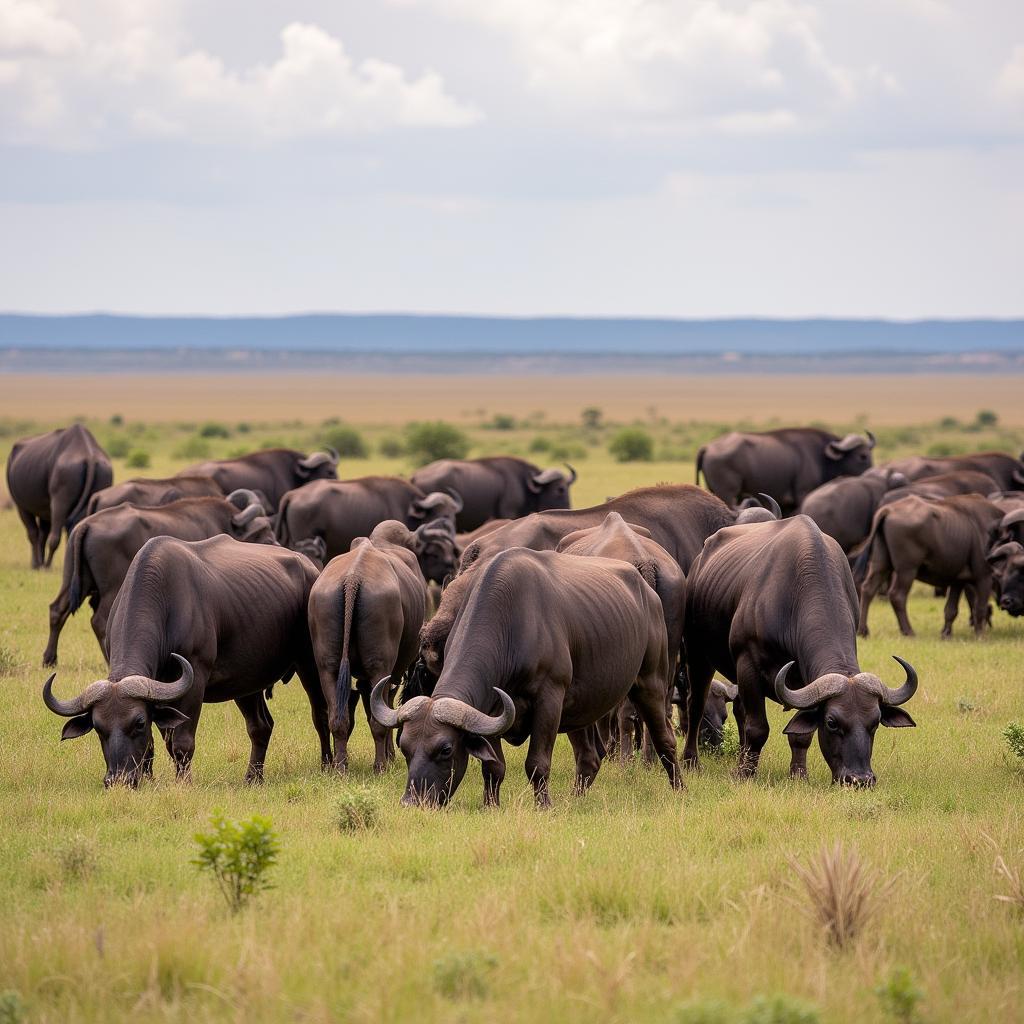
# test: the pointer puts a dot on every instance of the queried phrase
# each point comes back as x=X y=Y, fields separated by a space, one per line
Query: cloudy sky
x=598 y=157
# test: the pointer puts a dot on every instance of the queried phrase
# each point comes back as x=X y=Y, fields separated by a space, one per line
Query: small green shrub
x=949 y=423
x=138 y=459
x=214 y=430
x=427 y=442
x=357 y=811
x=193 y=448
x=986 y=418
x=463 y=975
x=8 y=661
x=391 y=448
x=12 y=1008
x=778 y=1009
x=244 y=428
x=899 y=996
x=118 y=447
x=540 y=444
x=501 y=421
x=238 y=854
x=1014 y=736
x=631 y=444
x=591 y=417
x=76 y=857
x=117 y=420
x=347 y=441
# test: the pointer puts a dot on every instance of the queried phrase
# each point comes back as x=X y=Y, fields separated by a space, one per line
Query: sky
x=690 y=158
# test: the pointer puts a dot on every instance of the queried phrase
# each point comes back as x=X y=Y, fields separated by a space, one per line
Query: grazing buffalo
x=545 y=643
x=341 y=510
x=1008 y=501
x=50 y=479
x=101 y=548
x=1005 y=470
x=1007 y=562
x=154 y=492
x=716 y=711
x=843 y=508
x=273 y=472
x=499 y=487
x=945 y=485
x=228 y=619
x=773 y=605
x=787 y=464
x=1011 y=528
x=940 y=541
x=432 y=544
x=365 y=614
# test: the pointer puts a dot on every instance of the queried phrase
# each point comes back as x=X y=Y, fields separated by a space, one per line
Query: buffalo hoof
x=798 y=773
x=49 y=660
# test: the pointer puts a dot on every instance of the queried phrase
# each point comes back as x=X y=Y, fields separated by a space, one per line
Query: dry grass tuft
x=1010 y=874
x=842 y=892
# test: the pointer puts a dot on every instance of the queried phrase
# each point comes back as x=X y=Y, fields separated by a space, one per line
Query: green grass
x=630 y=904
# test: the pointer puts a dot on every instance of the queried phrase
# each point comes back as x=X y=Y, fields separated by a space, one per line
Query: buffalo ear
x=77 y=726
x=832 y=452
x=165 y=717
x=896 y=718
x=480 y=747
x=803 y=724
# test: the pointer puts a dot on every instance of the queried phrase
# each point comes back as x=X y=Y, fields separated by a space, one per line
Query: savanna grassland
x=634 y=903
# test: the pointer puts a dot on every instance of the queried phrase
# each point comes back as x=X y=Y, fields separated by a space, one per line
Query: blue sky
x=593 y=157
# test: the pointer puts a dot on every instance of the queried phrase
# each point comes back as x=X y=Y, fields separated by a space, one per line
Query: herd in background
x=234 y=575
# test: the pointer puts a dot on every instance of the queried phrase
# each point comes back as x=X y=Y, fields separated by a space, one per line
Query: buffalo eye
x=444 y=751
x=832 y=723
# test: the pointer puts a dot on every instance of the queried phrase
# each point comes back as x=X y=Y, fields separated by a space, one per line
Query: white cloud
x=1010 y=83
x=140 y=81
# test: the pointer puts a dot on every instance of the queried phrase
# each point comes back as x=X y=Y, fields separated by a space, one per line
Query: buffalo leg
x=755 y=721
x=588 y=762
x=494 y=774
x=649 y=697
x=980 y=597
x=35 y=536
x=699 y=677
x=310 y=679
x=950 y=611
x=625 y=714
x=872 y=584
x=547 y=714
x=60 y=610
x=902 y=581
x=259 y=723
x=798 y=746
x=181 y=742
x=383 y=745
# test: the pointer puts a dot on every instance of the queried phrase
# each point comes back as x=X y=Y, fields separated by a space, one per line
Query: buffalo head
x=851 y=455
x=436 y=505
x=250 y=523
x=438 y=737
x=846 y=711
x=314 y=548
x=1007 y=562
x=433 y=544
x=551 y=488
x=716 y=711
x=318 y=466
x=122 y=714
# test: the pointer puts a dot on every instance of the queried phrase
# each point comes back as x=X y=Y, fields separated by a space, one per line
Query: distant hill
x=423 y=335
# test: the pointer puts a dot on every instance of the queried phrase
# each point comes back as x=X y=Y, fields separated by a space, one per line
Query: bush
x=463 y=975
x=591 y=417
x=631 y=444
x=117 y=420
x=986 y=418
x=1014 y=736
x=138 y=459
x=193 y=448
x=778 y=1009
x=243 y=428
x=357 y=811
x=347 y=441
x=12 y=1008
x=501 y=421
x=540 y=444
x=77 y=857
x=949 y=423
x=214 y=430
x=118 y=447
x=391 y=448
x=426 y=442
x=238 y=854
x=899 y=996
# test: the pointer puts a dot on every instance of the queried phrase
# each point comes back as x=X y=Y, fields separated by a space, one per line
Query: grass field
x=634 y=903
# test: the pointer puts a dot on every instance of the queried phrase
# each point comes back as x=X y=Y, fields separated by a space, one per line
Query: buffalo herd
x=236 y=575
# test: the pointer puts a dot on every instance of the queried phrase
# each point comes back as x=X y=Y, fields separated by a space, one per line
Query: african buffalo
x=940 y=541
x=432 y=544
x=365 y=614
x=149 y=493
x=716 y=711
x=272 y=472
x=773 y=604
x=341 y=510
x=1007 y=563
x=101 y=548
x=944 y=485
x=230 y=620
x=551 y=643
x=787 y=464
x=843 y=507
x=498 y=487
x=50 y=478
x=1005 y=470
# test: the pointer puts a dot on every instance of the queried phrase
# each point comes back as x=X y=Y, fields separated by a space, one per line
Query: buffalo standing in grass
x=50 y=479
x=229 y=620
x=1007 y=564
x=101 y=548
x=773 y=605
x=365 y=614
x=940 y=541
x=498 y=487
x=341 y=510
x=149 y=493
x=1005 y=470
x=545 y=643
x=787 y=464
x=843 y=508
x=272 y=473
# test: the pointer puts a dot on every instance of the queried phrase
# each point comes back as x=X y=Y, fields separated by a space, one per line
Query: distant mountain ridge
x=437 y=334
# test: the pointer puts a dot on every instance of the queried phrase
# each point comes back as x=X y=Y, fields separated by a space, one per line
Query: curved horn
x=901 y=695
x=145 y=688
x=1012 y=519
x=247 y=515
x=1006 y=550
x=77 y=705
x=244 y=498
x=771 y=504
x=466 y=717
x=333 y=452
x=387 y=715
x=572 y=478
x=456 y=497
x=871 y=439
x=315 y=459
x=1018 y=476
x=808 y=696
